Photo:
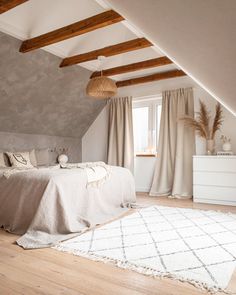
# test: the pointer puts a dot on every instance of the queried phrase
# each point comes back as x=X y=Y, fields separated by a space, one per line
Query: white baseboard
x=142 y=189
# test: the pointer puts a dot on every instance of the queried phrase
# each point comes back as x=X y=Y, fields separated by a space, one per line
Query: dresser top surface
x=215 y=156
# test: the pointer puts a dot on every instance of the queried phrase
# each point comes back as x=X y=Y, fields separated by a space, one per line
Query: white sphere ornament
x=63 y=159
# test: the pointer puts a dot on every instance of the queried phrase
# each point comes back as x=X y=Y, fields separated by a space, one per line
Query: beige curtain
x=173 y=173
x=120 y=133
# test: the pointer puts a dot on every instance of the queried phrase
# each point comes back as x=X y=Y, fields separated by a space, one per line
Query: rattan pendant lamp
x=101 y=87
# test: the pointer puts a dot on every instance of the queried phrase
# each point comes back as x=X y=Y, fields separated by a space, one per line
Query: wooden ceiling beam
x=151 y=78
x=6 y=5
x=81 y=27
x=138 y=66
x=107 y=51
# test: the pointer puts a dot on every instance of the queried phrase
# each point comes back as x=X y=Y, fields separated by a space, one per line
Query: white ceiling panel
x=123 y=59
x=100 y=38
x=37 y=17
x=142 y=73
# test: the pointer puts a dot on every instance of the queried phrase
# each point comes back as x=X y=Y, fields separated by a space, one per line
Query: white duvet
x=49 y=205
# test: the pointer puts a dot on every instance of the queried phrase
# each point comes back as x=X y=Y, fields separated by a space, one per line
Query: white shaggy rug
x=191 y=245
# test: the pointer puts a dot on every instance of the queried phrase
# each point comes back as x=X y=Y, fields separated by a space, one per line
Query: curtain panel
x=120 y=133
x=173 y=173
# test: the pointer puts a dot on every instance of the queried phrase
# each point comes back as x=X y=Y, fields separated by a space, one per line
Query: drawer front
x=214 y=179
x=215 y=164
x=216 y=202
x=214 y=193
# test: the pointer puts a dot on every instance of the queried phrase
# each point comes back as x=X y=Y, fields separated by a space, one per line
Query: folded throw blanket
x=97 y=172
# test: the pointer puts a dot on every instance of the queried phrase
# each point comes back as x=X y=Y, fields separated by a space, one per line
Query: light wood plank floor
x=47 y=271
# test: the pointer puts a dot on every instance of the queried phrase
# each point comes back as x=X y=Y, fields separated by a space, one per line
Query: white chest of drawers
x=214 y=179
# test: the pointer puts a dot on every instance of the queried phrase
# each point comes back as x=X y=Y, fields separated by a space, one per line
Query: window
x=140 y=121
x=146 y=122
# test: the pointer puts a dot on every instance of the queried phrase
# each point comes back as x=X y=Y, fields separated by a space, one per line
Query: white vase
x=226 y=146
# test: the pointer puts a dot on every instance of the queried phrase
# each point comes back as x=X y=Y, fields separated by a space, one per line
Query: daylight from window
x=146 y=124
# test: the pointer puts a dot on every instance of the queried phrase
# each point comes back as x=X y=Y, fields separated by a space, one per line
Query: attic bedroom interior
x=117 y=147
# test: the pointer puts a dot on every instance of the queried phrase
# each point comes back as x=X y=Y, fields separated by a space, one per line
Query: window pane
x=140 y=122
x=158 y=121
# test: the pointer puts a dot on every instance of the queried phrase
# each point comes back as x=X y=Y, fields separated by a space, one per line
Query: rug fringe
x=134 y=205
x=143 y=270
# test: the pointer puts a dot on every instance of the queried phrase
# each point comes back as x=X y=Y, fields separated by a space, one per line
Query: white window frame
x=151 y=102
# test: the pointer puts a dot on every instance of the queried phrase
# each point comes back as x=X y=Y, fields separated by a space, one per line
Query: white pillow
x=20 y=159
x=33 y=158
x=2 y=160
x=42 y=157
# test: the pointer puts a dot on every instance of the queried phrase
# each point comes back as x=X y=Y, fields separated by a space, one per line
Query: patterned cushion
x=20 y=159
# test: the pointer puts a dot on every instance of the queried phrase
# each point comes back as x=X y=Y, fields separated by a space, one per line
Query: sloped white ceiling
x=36 y=17
x=198 y=35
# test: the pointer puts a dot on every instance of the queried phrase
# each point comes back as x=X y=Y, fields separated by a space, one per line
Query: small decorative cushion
x=2 y=160
x=21 y=159
x=42 y=157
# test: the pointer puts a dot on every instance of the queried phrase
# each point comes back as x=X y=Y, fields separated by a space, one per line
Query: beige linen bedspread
x=46 y=206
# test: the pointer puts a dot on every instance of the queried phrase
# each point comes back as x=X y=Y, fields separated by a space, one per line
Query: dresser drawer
x=214 y=194
x=216 y=164
x=214 y=178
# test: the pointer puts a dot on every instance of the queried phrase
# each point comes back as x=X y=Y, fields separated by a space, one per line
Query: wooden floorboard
x=47 y=271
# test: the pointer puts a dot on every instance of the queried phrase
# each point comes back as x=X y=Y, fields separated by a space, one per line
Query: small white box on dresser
x=214 y=179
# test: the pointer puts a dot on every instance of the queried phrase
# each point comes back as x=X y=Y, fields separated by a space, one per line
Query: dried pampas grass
x=218 y=120
x=201 y=124
x=197 y=126
x=203 y=118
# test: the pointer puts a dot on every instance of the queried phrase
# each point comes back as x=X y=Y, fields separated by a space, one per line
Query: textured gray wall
x=37 y=97
x=25 y=142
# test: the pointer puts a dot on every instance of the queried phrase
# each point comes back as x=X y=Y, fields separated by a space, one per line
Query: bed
x=50 y=204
